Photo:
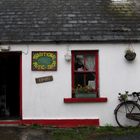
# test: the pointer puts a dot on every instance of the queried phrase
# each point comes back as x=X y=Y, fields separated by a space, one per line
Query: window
x=85 y=74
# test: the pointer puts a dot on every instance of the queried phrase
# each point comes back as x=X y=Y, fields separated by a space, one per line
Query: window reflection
x=79 y=79
x=79 y=62
x=90 y=80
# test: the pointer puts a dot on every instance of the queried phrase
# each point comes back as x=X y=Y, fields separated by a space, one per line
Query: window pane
x=90 y=62
x=90 y=80
x=85 y=80
x=79 y=62
x=79 y=80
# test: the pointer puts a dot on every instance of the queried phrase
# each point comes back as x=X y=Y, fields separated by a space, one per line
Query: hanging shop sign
x=44 y=61
x=44 y=79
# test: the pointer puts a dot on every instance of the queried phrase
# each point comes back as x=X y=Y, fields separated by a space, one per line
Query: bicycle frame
x=124 y=102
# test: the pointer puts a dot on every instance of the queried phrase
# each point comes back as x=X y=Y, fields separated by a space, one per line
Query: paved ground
x=21 y=133
x=125 y=137
x=27 y=133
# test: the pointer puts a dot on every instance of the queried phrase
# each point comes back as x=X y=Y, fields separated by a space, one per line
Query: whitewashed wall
x=45 y=100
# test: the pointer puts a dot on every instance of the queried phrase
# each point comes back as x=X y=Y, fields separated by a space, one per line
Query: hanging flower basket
x=130 y=55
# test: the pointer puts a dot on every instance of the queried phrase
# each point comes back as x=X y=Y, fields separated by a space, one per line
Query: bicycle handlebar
x=133 y=94
x=136 y=94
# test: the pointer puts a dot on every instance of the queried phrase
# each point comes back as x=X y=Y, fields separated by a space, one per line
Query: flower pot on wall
x=130 y=55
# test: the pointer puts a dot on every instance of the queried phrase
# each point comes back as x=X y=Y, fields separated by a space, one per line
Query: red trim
x=84 y=52
x=72 y=64
x=97 y=72
x=58 y=122
x=80 y=100
x=20 y=90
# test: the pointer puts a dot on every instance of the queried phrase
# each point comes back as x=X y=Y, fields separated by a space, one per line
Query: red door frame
x=20 y=88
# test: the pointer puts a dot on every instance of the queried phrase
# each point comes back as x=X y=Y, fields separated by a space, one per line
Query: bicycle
x=127 y=113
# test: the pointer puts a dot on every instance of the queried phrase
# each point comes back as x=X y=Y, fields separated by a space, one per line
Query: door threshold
x=10 y=122
x=10 y=119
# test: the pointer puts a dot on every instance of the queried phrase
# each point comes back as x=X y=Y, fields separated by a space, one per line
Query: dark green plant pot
x=130 y=56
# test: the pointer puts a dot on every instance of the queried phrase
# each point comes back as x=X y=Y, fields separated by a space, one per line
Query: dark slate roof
x=68 y=20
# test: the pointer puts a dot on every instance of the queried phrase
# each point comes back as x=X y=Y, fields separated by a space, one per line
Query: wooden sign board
x=44 y=79
x=44 y=61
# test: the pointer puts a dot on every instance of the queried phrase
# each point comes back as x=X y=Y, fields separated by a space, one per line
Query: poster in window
x=44 y=60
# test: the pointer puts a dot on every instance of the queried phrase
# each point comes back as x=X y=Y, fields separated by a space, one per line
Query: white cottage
x=62 y=61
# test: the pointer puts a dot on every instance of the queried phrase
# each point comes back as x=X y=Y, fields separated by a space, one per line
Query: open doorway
x=10 y=85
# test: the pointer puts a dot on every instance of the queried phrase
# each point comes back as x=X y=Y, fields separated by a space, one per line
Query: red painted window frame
x=84 y=52
x=85 y=100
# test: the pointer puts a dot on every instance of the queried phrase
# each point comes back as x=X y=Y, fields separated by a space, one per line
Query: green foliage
x=124 y=9
x=107 y=128
x=35 y=126
x=85 y=133
x=83 y=89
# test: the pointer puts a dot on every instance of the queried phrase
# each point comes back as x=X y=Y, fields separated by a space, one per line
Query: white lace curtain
x=90 y=62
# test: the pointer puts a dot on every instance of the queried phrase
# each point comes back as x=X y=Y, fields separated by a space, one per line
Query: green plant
x=85 y=133
x=123 y=97
x=130 y=54
x=130 y=51
x=106 y=128
x=122 y=9
x=35 y=126
x=83 y=89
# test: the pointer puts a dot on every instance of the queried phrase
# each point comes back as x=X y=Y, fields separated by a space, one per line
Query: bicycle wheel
x=123 y=110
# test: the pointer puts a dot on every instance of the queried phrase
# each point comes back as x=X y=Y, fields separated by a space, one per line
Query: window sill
x=85 y=100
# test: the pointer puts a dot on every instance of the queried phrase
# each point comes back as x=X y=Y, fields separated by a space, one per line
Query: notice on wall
x=44 y=79
x=44 y=61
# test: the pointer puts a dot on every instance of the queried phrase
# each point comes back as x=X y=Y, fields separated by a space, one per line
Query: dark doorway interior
x=9 y=85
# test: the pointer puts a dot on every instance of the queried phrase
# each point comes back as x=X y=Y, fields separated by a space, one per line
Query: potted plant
x=130 y=55
x=84 y=92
